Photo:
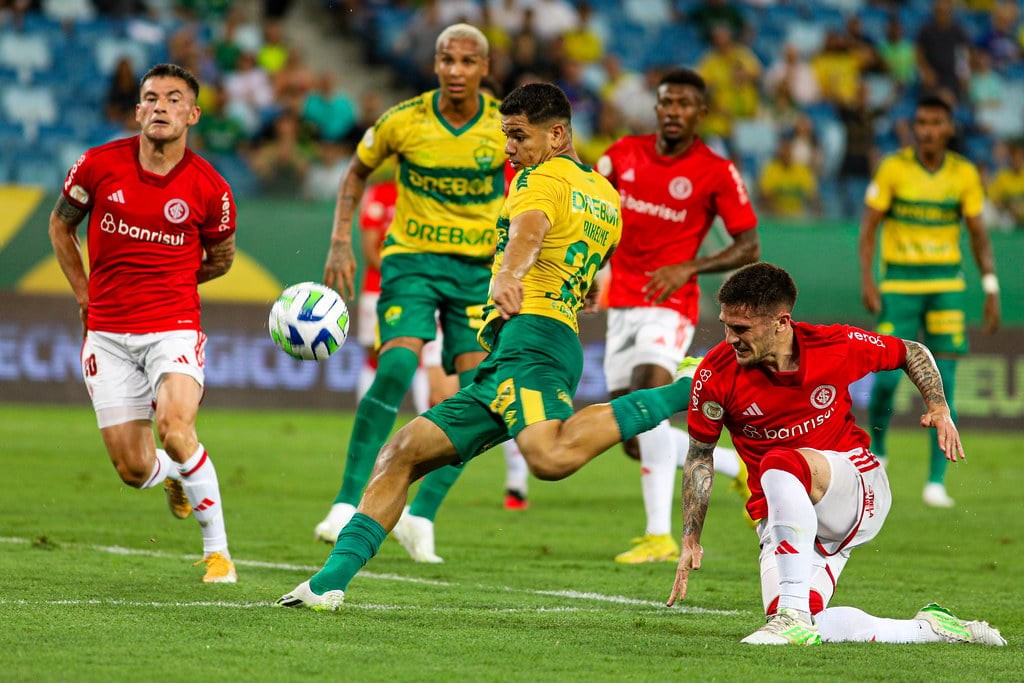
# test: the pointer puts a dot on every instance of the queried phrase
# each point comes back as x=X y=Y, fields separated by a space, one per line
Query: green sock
x=880 y=409
x=375 y=416
x=436 y=484
x=937 y=463
x=357 y=543
x=645 y=409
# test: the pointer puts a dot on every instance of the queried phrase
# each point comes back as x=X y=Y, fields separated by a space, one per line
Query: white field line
x=568 y=594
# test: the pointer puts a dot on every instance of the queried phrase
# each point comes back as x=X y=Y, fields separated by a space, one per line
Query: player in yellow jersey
x=919 y=197
x=435 y=258
x=558 y=225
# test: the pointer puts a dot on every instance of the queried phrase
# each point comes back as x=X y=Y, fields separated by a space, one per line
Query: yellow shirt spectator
x=788 y=188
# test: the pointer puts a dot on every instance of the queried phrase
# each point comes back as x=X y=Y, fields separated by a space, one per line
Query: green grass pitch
x=96 y=582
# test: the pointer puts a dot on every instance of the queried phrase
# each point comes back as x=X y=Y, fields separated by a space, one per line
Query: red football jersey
x=376 y=211
x=809 y=408
x=146 y=234
x=668 y=205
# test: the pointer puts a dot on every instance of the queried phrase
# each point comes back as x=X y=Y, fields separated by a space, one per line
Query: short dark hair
x=683 y=76
x=539 y=102
x=933 y=101
x=763 y=287
x=172 y=71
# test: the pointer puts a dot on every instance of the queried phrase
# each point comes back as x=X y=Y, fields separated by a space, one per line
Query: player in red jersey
x=781 y=389
x=672 y=188
x=161 y=221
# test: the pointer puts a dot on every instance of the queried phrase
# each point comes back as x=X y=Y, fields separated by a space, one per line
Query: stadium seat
x=806 y=36
x=38 y=170
x=31 y=106
x=25 y=53
x=110 y=50
x=754 y=139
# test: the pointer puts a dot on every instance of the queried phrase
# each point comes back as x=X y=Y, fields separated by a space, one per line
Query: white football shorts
x=850 y=514
x=367 y=328
x=123 y=371
x=650 y=335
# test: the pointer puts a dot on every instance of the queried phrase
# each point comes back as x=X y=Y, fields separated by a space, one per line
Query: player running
x=161 y=221
x=919 y=196
x=672 y=187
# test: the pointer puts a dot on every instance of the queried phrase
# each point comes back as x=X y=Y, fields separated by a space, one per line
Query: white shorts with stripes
x=650 y=335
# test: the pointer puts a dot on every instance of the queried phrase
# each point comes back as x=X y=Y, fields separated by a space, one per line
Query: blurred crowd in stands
x=804 y=95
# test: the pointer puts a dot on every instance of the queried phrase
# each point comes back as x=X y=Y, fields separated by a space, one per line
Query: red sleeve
x=373 y=211
x=873 y=352
x=220 y=215
x=704 y=418
x=78 y=183
x=732 y=201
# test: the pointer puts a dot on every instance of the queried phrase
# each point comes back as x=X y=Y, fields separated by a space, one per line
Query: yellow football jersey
x=920 y=242
x=450 y=181
x=586 y=223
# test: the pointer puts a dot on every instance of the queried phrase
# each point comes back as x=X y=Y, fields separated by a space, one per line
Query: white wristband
x=990 y=283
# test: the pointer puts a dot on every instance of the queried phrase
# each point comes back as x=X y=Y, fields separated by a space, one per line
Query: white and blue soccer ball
x=309 y=321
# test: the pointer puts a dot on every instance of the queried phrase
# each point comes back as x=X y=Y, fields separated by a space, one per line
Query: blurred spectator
x=633 y=95
x=985 y=90
x=1000 y=38
x=415 y=47
x=942 y=51
x=788 y=189
x=806 y=147
x=863 y=46
x=553 y=18
x=455 y=11
x=371 y=106
x=838 y=69
x=325 y=172
x=293 y=82
x=250 y=94
x=731 y=71
x=1006 y=191
x=585 y=103
x=708 y=15
x=225 y=48
x=584 y=43
x=898 y=52
x=651 y=14
x=860 y=153
x=122 y=93
x=273 y=53
x=528 y=56
x=609 y=128
x=281 y=163
x=329 y=110
x=217 y=134
x=792 y=76
x=507 y=14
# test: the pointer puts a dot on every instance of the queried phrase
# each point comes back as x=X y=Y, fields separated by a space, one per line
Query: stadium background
x=350 y=59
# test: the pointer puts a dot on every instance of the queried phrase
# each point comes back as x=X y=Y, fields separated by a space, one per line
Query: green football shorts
x=937 y=317
x=420 y=291
x=530 y=376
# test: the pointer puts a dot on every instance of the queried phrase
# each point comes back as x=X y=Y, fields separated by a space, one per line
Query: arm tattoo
x=68 y=212
x=922 y=371
x=219 y=258
x=698 y=475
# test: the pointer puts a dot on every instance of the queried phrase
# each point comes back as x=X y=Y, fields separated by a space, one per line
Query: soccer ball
x=309 y=321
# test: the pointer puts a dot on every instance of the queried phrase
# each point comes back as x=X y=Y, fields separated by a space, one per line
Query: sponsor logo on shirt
x=631 y=203
x=866 y=337
x=788 y=431
x=116 y=197
x=111 y=225
x=752 y=410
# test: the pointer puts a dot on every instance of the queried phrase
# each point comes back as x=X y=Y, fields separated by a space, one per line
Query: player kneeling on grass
x=816 y=488
x=161 y=220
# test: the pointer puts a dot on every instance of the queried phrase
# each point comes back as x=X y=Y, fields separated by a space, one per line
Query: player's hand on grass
x=991 y=313
x=507 y=292
x=689 y=558
x=948 y=435
x=340 y=269
x=666 y=280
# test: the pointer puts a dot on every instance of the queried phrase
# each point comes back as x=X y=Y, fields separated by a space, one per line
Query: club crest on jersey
x=176 y=211
x=712 y=411
x=823 y=396
x=484 y=156
x=680 y=187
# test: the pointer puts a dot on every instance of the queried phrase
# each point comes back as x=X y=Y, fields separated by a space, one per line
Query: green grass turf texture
x=510 y=602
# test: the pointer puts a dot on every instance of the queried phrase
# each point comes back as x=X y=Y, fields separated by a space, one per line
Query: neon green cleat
x=953 y=630
x=785 y=627
x=650 y=548
x=688 y=367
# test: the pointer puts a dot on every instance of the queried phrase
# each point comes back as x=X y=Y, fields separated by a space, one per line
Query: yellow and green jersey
x=920 y=241
x=586 y=223
x=450 y=181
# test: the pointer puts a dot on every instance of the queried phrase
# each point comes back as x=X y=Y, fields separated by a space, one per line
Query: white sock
x=727 y=461
x=658 y=477
x=516 y=471
x=163 y=468
x=849 y=624
x=792 y=525
x=199 y=479
x=421 y=391
x=366 y=375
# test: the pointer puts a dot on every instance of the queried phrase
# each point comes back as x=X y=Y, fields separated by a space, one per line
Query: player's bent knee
x=788 y=460
x=133 y=472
